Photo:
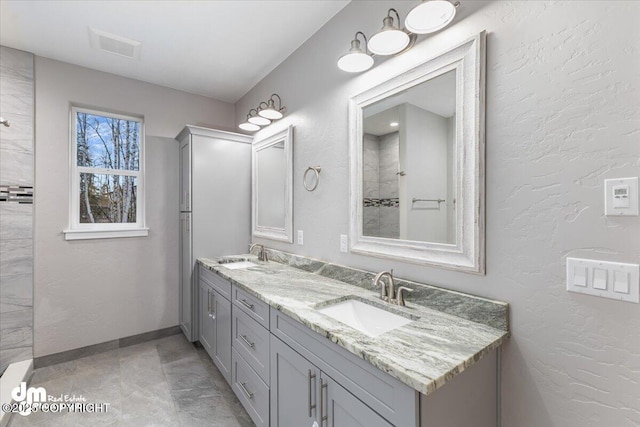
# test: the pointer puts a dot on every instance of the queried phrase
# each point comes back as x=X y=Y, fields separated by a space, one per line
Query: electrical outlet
x=300 y=237
x=344 y=243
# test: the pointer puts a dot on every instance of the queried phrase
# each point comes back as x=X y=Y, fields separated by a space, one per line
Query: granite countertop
x=423 y=354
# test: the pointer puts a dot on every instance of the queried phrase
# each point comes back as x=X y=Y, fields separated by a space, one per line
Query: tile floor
x=165 y=382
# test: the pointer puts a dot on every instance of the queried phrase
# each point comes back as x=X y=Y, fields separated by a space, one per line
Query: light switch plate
x=621 y=197
x=605 y=279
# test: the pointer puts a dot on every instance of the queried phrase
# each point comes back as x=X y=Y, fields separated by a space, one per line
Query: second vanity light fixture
x=264 y=115
x=427 y=17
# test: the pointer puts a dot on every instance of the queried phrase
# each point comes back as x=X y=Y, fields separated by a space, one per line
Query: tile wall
x=16 y=206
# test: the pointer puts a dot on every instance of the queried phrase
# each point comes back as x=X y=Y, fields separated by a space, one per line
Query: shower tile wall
x=16 y=206
x=381 y=213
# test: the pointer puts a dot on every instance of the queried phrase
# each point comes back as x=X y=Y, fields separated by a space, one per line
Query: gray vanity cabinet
x=343 y=409
x=294 y=387
x=206 y=330
x=301 y=394
x=215 y=323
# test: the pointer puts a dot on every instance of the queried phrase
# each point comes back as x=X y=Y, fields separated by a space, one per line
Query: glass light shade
x=248 y=127
x=388 y=42
x=258 y=120
x=430 y=16
x=356 y=60
x=271 y=113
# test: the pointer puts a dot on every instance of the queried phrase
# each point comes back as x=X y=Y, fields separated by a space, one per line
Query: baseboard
x=77 y=353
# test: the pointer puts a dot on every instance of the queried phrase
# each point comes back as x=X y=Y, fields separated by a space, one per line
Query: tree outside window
x=107 y=174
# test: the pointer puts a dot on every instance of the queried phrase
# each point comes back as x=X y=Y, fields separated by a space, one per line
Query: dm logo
x=28 y=396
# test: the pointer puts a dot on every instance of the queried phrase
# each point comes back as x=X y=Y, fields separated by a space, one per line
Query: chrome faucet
x=386 y=295
x=389 y=293
x=262 y=255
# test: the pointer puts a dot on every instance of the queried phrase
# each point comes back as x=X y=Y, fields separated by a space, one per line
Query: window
x=107 y=175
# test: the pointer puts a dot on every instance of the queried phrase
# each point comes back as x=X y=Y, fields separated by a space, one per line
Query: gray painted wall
x=16 y=219
x=91 y=291
x=562 y=115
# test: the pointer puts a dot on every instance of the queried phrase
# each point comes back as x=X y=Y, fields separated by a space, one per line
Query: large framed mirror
x=272 y=186
x=417 y=163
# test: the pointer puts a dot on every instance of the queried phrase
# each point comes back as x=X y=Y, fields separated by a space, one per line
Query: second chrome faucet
x=389 y=293
x=262 y=255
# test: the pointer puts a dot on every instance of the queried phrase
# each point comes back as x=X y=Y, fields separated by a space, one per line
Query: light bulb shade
x=249 y=127
x=271 y=113
x=430 y=16
x=258 y=120
x=388 y=42
x=355 y=62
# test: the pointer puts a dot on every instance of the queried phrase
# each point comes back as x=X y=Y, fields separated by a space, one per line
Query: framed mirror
x=271 y=185
x=417 y=163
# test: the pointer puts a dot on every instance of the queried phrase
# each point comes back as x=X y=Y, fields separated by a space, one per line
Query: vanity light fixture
x=356 y=60
x=430 y=16
x=427 y=17
x=390 y=39
x=264 y=114
x=270 y=111
x=394 y=124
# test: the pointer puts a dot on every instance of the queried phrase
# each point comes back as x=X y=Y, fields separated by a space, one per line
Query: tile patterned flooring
x=165 y=382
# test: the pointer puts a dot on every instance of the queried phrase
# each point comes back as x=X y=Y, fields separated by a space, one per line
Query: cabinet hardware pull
x=209 y=302
x=323 y=418
x=245 y=391
x=311 y=376
x=246 y=341
x=246 y=304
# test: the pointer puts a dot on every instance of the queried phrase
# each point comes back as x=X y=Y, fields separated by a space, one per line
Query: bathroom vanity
x=272 y=330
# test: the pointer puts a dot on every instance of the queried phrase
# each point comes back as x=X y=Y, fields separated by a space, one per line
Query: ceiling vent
x=115 y=44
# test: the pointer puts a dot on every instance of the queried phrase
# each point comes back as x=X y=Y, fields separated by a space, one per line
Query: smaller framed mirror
x=272 y=186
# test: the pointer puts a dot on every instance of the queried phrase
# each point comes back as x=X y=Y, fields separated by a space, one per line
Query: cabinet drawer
x=386 y=395
x=218 y=283
x=251 y=341
x=258 y=310
x=252 y=392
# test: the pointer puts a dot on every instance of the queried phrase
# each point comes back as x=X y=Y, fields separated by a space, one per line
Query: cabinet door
x=206 y=321
x=221 y=308
x=186 y=286
x=343 y=409
x=294 y=387
x=185 y=174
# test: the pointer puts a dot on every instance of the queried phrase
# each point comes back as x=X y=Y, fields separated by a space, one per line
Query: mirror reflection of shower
x=409 y=163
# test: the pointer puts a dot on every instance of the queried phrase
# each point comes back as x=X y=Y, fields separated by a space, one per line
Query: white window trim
x=78 y=231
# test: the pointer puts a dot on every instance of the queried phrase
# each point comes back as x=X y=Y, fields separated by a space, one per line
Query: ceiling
x=219 y=49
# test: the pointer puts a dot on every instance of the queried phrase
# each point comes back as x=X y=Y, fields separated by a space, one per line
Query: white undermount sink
x=366 y=318
x=239 y=265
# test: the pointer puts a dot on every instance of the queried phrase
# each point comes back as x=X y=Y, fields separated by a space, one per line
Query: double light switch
x=605 y=279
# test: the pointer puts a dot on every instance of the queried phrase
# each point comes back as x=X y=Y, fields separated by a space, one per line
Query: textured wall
x=562 y=115
x=91 y=291
x=16 y=210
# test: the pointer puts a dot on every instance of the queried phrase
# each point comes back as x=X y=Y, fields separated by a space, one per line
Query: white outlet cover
x=609 y=208
x=344 y=243
x=300 y=237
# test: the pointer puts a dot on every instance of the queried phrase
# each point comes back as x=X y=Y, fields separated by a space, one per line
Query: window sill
x=104 y=234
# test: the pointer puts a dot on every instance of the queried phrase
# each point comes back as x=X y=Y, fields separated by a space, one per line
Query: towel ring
x=316 y=170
